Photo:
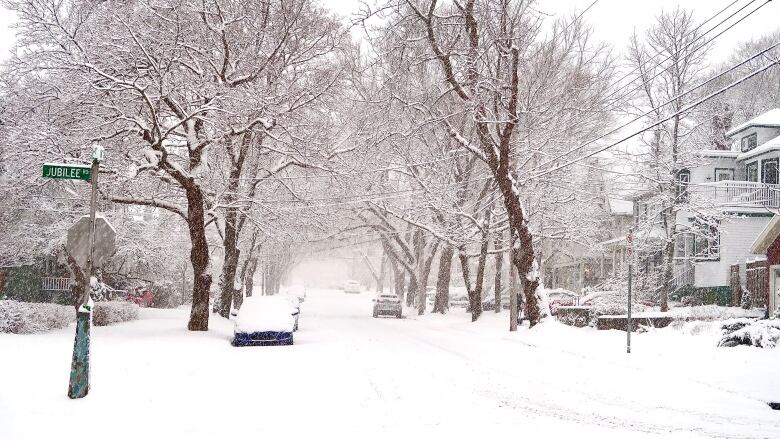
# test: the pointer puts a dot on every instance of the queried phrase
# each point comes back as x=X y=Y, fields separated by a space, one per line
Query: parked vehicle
x=264 y=321
x=298 y=291
x=295 y=306
x=141 y=296
x=352 y=287
x=387 y=304
x=459 y=301
x=560 y=297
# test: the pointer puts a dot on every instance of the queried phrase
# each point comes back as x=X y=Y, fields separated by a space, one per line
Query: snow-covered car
x=352 y=286
x=295 y=308
x=605 y=302
x=141 y=296
x=387 y=304
x=298 y=291
x=560 y=297
x=264 y=321
x=459 y=301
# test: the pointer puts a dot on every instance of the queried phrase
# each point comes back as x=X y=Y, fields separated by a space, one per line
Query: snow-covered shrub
x=747 y=299
x=29 y=318
x=759 y=333
x=166 y=296
x=106 y=313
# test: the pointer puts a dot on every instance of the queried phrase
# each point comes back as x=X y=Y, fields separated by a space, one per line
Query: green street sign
x=66 y=171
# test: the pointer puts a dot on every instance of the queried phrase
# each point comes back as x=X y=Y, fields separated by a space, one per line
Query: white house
x=733 y=195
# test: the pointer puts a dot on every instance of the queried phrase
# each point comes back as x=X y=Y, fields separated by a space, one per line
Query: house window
x=706 y=242
x=683 y=179
x=749 y=142
x=751 y=171
x=769 y=171
x=724 y=174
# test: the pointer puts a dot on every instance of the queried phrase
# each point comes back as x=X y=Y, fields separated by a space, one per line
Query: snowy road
x=350 y=375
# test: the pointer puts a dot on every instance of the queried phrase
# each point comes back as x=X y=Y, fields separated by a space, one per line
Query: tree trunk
x=249 y=277
x=425 y=272
x=380 y=283
x=442 y=301
x=514 y=307
x=230 y=263
x=476 y=302
x=411 y=291
x=199 y=257
x=399 y=279
x=499 y=266
x=666 y=280
x=81 y=283
x=523 y=256
x=466 y=271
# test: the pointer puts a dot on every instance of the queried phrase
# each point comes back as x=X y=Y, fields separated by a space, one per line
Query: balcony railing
x=737 y=194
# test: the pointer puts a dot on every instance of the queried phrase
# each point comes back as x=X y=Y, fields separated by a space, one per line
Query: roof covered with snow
x=717 y=153
x=770 y=145
x=766 y=237
x=769 y=119
x=619 y=206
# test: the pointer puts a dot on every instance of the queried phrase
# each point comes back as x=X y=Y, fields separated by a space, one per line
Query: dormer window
x=749 y=142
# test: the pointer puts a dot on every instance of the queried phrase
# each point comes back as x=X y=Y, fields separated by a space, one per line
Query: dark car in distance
x=387 y=304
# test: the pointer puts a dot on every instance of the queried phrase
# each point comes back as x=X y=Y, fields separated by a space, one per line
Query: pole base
x=79 y=366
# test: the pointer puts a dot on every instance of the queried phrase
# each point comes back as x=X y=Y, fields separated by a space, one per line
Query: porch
x=730 y=193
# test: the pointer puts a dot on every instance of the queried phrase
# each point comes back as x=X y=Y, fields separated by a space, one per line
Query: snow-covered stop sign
x=77 y=243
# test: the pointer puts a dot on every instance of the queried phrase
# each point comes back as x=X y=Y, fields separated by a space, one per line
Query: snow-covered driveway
x=352 y=376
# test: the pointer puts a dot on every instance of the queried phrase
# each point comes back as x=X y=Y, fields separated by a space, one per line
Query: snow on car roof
x=265 y=313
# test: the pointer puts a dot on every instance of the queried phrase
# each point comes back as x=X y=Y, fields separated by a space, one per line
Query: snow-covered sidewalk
x=352 y=376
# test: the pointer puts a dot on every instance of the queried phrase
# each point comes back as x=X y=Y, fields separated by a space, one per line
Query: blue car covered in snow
x=264 y=321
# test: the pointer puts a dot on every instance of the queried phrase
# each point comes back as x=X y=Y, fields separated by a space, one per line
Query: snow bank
x=29 y=318
x=265 y=313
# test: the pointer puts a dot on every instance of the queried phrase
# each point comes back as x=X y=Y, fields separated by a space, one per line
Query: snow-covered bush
x=29 y=318
x=166 y=296
x=106 y=313
x=747 y=299
x=759 y=333
x=543 y=300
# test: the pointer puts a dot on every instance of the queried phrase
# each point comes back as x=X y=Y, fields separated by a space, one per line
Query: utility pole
x=513 y=305
x=630 y=252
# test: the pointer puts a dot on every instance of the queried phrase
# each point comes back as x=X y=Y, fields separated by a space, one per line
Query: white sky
x=614 y=20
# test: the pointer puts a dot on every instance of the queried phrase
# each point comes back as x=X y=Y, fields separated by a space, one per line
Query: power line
x=669 y=101
x=589 y=142
x=687 y=108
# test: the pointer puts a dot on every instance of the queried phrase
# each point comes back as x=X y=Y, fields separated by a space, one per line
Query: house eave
x=766 y=237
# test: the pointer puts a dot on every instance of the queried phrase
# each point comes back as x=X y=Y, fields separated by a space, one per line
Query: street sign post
x=67 y=171
x=83 y=251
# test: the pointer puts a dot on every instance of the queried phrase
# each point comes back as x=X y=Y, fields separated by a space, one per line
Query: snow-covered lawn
x=352 y=376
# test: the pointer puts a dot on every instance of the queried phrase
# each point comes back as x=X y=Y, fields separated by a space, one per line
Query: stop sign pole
x=78 y=387
x=79 y=367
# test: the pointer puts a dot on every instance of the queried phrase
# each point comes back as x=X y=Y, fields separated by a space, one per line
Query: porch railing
x=737 y=194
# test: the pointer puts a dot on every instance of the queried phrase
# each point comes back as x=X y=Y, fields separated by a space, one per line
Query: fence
x=55 y=284
x=757 y=282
